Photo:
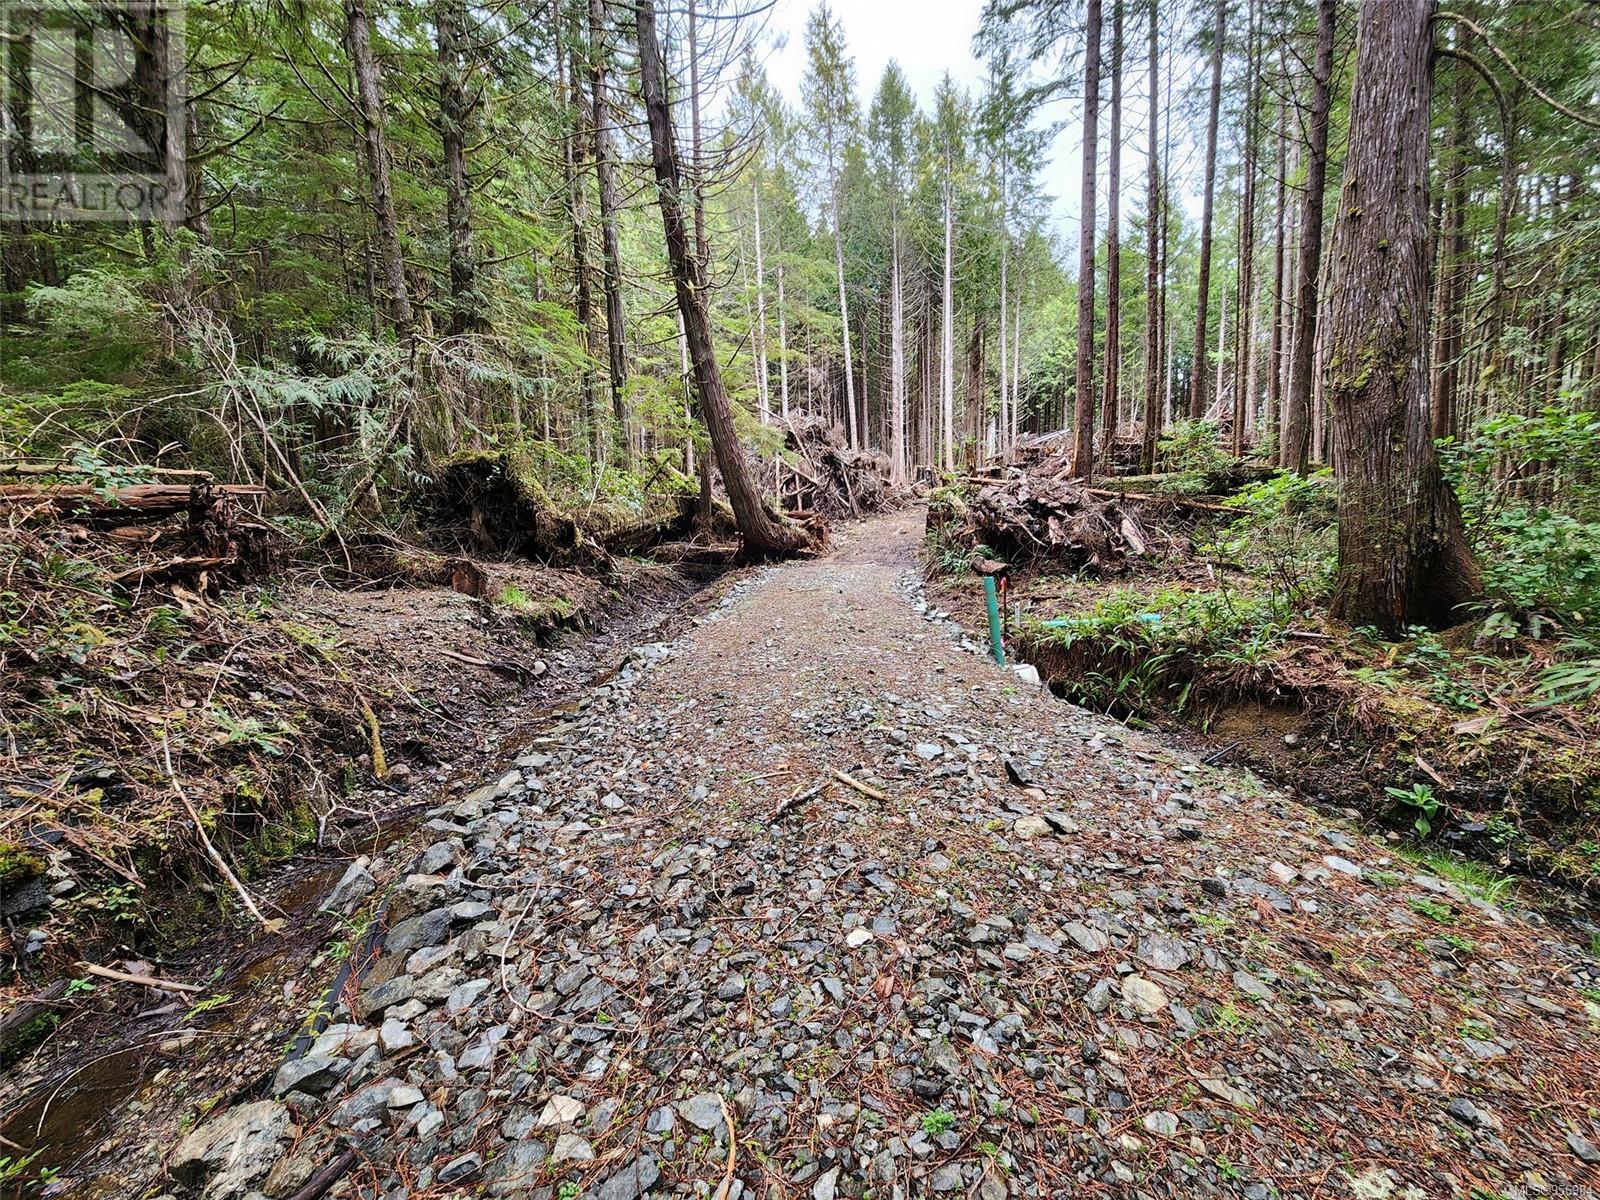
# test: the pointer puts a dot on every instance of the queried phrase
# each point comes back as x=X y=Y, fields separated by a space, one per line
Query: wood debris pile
x=826 y=476
x=1038 y=516
x=197 y=534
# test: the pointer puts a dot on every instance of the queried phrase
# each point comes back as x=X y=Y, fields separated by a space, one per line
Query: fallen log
x=134 y=502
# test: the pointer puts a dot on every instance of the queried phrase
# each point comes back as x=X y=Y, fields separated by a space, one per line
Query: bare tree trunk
x=844 y=328
x=1154 y=217
x=1003 y=424
x=1084 y=397
x=763 y=397
x=1403 y=559
x=763 y=535
x=1244 y=338
x=897 y=381
x=1453 y=273
x=783 y=337
x=466 y=310
x=1294 y=454
x=1197 y=380
x=578 y=199
x=369 y=93
x=606 y=175
x=1276 y=355
x=1016 y=371
x=1109 y=411
x=947 y=341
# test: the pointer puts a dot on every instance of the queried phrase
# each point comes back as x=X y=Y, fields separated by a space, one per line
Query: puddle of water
x=63 y=1123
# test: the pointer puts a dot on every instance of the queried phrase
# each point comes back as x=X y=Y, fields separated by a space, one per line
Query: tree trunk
x=1109 y=408
x=1003 y=424
x=1245 y=309
x=369 y=95
x=455 y=111
x=897 y=368
x=763 y=535
x=1197 y=378
x=1279 y=308
x=1295 y=451
x=783 y=337
x=844 y=329
x=578 y=198
x=1403 y=559
x=947 y=338
x=1084 y=396
x=763 y=397
x=1154 y=217
x=605 y=170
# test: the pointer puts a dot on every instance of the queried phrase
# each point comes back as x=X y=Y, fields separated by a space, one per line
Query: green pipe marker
x=994 y=619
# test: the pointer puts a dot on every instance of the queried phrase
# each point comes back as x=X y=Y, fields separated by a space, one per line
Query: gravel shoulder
x=820 y=876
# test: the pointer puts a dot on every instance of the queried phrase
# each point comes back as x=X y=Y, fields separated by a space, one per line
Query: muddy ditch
x=99 y=1076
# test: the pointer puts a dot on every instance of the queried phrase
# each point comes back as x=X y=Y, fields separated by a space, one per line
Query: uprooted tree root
x=825 y=476
x=1038 y=519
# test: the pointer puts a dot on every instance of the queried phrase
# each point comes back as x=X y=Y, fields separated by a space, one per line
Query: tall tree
x=456 y=110
x=829 y=90
x=1109 y=408
x=1197 y=375
x=1084 y=397
x=605 y=170
x=889 y=123
x=375 y=153
x=1403 y=558
x=1295 y=451
x=763 y=534
x=1152 y=248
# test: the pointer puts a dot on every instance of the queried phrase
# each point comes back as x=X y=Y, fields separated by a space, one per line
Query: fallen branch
x=1153 y=498
x=864 y=789
x=161 y=985
x=172 y=566
x=725 y=1188
x=326 y=1176
x=212 y=852
x=797 y=800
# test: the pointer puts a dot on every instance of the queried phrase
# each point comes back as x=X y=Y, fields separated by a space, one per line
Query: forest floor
x=819 y=902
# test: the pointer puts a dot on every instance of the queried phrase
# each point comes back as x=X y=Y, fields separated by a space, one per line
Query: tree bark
x=369 y=95
x=1197 y=379
x=1295 y=452
x=1084 y=395
x=455 y=111
x=763 y=535
x=1279 y=306
x=947 y=337
x=897 y=368
x=1154 y=217
x=1452 y=271
x=1245 y=309
x=1403 y=558
x=763 y=397
x=605 y=169
x=578 y=198
x=1109 y=411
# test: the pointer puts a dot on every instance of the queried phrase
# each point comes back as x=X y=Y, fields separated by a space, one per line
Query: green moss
x=18 y=865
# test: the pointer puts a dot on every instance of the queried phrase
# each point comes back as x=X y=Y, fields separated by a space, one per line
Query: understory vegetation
x=1485 y=734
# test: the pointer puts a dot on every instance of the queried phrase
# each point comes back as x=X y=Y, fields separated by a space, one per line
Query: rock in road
x=819 y=879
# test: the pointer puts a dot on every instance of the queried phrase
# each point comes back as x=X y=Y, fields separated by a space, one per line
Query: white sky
x=926 y=37
x=929 y=36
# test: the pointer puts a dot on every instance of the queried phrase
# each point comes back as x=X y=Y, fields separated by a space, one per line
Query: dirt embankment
x=201 y=725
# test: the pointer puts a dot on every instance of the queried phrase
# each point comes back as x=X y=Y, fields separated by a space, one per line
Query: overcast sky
x=928 y=37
